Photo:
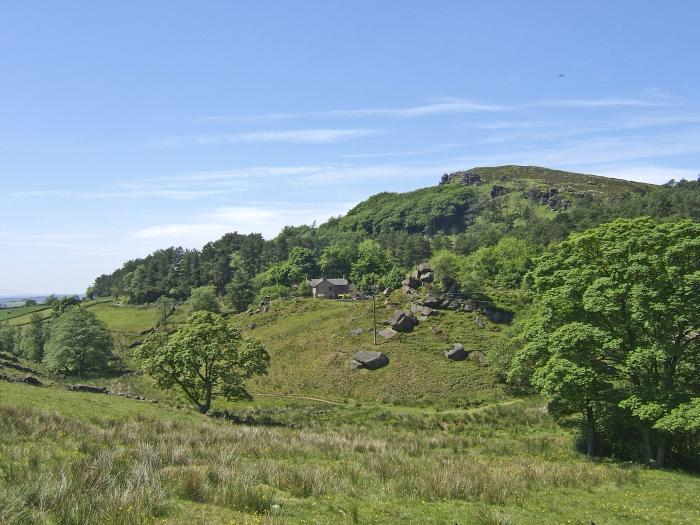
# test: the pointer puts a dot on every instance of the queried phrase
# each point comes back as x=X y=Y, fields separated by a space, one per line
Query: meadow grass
x=78 y=458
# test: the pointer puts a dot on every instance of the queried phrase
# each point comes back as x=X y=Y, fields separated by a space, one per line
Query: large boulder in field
x=403 y=321
x=369 y=360
x=458 y=353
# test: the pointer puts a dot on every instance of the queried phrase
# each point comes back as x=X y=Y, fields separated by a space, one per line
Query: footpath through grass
x=68 y=457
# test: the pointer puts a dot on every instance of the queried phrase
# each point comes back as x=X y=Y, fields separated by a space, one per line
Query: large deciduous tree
x=79 y=342
x=614 y=325
x=206 y=358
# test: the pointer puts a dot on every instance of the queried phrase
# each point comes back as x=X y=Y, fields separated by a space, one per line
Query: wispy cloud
x=299 y=136
x=140 y=193
x=448 y=106
x=268 y=219
x=612 y=102
x=435 y=107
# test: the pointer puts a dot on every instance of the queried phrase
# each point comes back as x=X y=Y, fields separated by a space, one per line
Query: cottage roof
x=339 y=281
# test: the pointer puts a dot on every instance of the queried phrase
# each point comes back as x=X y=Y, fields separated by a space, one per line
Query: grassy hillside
x=68 y=457
x=311 y=347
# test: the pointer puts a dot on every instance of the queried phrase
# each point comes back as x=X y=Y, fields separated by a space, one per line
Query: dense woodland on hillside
x=380 y=239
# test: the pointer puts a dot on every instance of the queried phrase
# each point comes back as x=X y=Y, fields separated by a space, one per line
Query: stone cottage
x=329 y=288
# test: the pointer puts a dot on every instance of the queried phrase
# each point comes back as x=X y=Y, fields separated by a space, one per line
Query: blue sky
x=130 y=126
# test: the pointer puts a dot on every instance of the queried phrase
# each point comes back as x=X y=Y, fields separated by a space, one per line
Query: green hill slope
x=311 y=347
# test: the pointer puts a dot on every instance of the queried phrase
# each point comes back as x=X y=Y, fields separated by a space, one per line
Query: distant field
x=12 y=313
x=23 y=315
x=84 y=458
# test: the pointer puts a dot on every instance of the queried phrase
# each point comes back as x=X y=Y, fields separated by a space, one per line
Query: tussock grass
x=131 y=470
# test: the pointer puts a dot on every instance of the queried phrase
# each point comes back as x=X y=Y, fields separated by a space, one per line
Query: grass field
x=20 y=311
x=83 y=458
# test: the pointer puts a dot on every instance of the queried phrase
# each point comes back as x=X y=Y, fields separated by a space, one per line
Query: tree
x=60 y=305
x=371 y=259
x=7 y=338
x=615 y=314
x=206 y=358
x=203 y=299
x=79 y=343
x=336 y=260
x=239 y=291
x=31 y=343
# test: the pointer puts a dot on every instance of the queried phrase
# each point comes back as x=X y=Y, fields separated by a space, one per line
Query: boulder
x=479 y=322
x=498 y=316
x=369 y=360
x=478 y=357
x=408 y=290
x=88 y=388
x=252 y=326
x=427 y=311
x=431 y=301
x=402 y=322
x=386 y=291
x=428 y=277
x=422 y=318
x=387 y=333
x=411 y=282
x=458 y=353
x=470 y=305
x=423 y=267
x=356 y=331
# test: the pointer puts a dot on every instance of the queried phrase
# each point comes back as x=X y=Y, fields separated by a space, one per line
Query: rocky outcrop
x=549 y=197
x=369 y=360
x=465 y=177
x=497 y=191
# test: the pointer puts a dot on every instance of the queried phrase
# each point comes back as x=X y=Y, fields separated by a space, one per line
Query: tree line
x=379 y=240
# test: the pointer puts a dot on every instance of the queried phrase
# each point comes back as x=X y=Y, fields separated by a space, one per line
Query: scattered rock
x=403 y=321
x=252 y=326
x=498 y=316
x=31 y=380
x=422 y=318
x=431 y=301
x=356 y=331
x=88 y=388
x=411 y=282
x=386 y=291
x=369 y=360
x=458 y=353
x=478 y=357
x=387 y=333
x=470 y=305
x=479 y=322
